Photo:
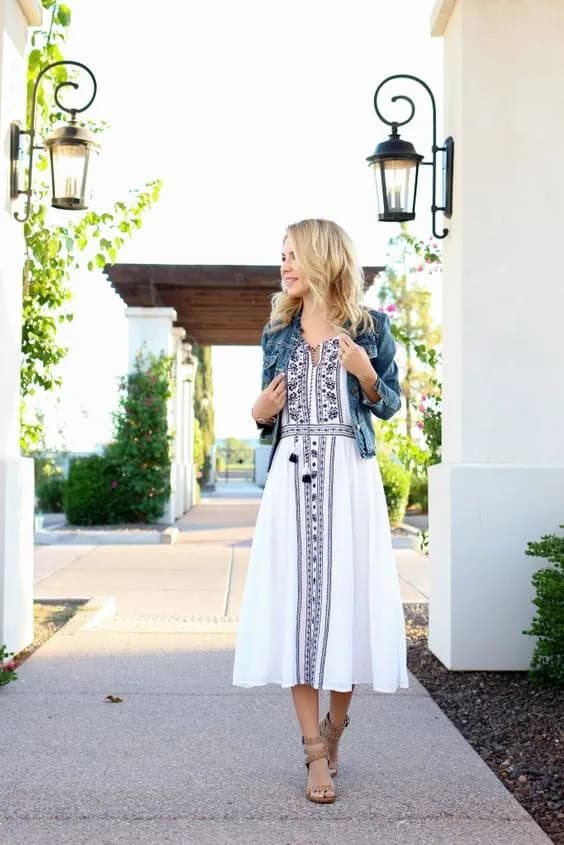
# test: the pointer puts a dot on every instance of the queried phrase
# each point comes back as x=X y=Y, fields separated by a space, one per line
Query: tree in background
x=402 y=295
x=54 y=251
x=203 y=410
x=141 y=452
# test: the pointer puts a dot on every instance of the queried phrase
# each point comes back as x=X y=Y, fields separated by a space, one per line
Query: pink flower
x=114 y=484
x=419 y=268
x=391 y=308
x=419 y=424
x=9 y=666
x=423 y=396
x=421 y=407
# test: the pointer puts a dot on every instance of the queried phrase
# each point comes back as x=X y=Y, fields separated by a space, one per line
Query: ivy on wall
x=53 y=252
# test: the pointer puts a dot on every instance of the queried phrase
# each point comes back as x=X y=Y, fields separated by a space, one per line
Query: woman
x=321 y=606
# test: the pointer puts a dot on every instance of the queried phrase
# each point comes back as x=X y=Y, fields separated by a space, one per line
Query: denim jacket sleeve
x=387 y=369
x=265 y=428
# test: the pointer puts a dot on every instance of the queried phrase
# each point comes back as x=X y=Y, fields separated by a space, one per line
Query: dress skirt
x=321 y=603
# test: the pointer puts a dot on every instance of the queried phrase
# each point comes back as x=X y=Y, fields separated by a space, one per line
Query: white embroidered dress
x=321 y=603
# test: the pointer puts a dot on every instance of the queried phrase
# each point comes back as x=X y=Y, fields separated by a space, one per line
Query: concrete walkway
x=188 y=758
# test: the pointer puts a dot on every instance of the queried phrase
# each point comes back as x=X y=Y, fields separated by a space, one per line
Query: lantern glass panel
x=69 y=163
x=395 y=188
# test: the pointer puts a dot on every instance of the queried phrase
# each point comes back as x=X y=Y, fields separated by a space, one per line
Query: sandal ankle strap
x=331 y=733
x=313 y=740
x=312 y=754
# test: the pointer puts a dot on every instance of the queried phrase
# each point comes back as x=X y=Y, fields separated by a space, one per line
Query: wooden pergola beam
x=216 y=304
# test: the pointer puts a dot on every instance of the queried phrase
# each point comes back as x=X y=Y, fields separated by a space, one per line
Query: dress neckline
x=325 y=340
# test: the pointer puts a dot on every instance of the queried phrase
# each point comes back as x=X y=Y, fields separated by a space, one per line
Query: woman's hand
x=272 y=398
x=354 y=358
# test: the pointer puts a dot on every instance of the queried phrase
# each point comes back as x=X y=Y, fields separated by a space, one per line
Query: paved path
x=187 y=757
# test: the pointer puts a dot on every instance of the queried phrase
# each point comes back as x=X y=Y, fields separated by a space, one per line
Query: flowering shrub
x=140 y=484
x=430 y=423
x=7 y=666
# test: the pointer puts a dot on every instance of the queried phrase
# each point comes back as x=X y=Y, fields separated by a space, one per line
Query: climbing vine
x=53 y=252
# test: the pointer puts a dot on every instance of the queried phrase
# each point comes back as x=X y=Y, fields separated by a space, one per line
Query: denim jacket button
x=358 y=425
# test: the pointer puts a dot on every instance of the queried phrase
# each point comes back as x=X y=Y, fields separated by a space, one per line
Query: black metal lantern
x=396 y=166
x=71 y=148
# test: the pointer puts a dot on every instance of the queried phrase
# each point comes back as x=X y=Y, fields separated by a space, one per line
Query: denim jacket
x=380 y=347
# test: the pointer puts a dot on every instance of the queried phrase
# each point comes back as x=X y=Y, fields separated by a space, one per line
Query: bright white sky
x=255 y=114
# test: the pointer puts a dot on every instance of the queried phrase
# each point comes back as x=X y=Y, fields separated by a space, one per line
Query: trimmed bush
x=87 y=497
x=50 y=495
x=396 y=480
x=419 y=491
x=547 y=665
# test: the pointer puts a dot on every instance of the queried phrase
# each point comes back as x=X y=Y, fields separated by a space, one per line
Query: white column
x=16 y=473
x=189 y=369
x=179 y=424
x=191 y=469
x=501 y=480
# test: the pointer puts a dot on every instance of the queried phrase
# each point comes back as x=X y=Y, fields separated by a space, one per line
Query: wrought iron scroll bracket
x=16 y=132
x=447 y=148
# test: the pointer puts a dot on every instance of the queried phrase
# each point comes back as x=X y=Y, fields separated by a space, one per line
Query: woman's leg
x=338 y=709
x=339 y=706
x=306 y=702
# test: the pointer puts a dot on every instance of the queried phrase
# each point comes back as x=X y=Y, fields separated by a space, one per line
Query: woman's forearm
x=367 y=381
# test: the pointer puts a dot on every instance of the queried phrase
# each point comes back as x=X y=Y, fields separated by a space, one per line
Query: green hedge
x=396 y=480
x=547 y=665
x=419 y=491
x=50 y=495
x=88 y=492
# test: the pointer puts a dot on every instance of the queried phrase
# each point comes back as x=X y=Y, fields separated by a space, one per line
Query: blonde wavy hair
x=327 y=255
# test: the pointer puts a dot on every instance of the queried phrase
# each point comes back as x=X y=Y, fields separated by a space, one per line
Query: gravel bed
x=516 y=727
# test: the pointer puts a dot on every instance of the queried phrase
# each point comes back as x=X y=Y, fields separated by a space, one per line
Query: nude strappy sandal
x=323 y=793
x=332 y=735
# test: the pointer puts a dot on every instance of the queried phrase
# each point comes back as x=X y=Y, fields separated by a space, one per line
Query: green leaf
x=63 y=15
x=53 y=247
x=34 y=59
x=100 y=260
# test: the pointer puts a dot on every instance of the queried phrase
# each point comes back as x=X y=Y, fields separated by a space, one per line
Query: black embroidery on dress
x=317 y=433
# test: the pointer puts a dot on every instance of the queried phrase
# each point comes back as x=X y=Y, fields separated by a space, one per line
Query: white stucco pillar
x=16 y=473
x=501 y=480
x=178 y=427
x=188 y=375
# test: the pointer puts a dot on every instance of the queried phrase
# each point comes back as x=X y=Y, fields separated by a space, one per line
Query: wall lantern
x=71 y=152
x=396 y=166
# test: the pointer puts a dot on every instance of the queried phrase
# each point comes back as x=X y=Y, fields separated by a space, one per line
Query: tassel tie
x=308 y=473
